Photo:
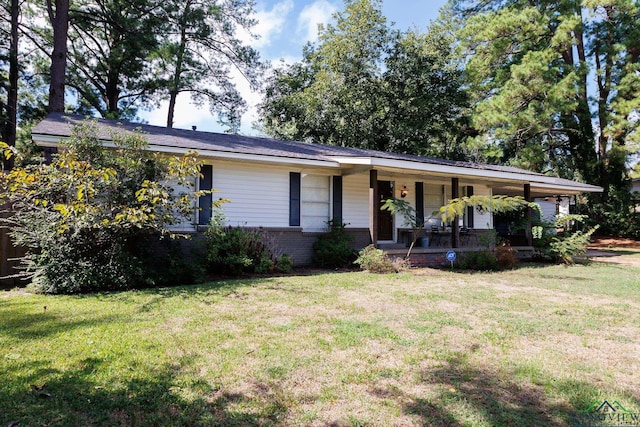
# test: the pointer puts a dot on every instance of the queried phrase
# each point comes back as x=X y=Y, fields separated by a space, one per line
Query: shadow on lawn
x=17 y=320
x=228 y=288
x=470 y=395
x=75 y=398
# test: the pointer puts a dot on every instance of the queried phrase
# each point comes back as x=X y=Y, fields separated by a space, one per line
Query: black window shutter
x=205 y=202
x=337 y=199
x=419 y=203
x=469 y=208
x=294 y=199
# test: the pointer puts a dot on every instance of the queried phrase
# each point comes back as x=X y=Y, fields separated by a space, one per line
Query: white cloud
x=252 y=98
x=269 y=24
x=286 y=60
x=318 y=12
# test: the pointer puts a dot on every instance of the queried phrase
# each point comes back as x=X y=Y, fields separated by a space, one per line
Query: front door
x=385 y=220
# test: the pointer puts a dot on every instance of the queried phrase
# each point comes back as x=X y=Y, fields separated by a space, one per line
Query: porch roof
x=57 y=126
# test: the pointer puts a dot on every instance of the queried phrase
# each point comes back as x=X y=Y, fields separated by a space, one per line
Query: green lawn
x=522 y=348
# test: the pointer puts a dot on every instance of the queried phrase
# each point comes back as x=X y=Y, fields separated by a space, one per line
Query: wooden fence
x=8 y=252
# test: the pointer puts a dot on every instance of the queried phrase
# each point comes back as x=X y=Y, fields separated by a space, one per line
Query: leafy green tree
x=9 y=81
x=427 y=107
x=23 y=91
x=127 y=55
x=367 y=85
x=84 y=217
x=198 y=51
x=532 y=64
x=334 y=95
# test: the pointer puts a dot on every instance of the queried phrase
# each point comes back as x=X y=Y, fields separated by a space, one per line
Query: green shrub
x=557 y=241
x=71 y=268
x=237 y=250
x=376 y=260
x=334 y=248
x=484 y=260
x=616 y=217
x=173 y=262
x=565 y=248
x=284 y=264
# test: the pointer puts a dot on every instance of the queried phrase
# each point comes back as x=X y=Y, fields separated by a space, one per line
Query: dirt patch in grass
x=614 y=242
x=629 y=257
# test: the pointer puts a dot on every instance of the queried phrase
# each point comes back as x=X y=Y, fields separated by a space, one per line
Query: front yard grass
x=521 y=348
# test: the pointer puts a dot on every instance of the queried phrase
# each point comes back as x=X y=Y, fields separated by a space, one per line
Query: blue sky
x=284 y=27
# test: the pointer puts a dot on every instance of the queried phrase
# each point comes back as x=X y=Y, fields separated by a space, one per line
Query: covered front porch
x=427 y=190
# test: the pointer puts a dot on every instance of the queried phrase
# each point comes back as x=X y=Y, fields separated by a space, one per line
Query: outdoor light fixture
x=404 y=191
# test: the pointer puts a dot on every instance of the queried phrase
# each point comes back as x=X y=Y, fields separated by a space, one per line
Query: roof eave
x=539 y=181
x=44 y=140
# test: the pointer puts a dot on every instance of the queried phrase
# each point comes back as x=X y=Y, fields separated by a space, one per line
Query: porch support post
x=527 y=229
x=455 y=230
x=374 y=208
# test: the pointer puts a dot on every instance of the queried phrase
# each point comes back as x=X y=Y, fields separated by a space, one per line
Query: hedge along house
x=292 y=189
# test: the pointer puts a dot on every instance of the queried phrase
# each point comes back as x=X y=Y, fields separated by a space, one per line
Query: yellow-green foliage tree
x=86 y=218
x=494 y=204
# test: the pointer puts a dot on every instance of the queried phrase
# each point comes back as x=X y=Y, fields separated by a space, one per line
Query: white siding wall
x=398 y=182
x=186 y=224
x=259 y=196
x=548 y=208
x=482 y=220
x=315 y=203
x=432 y=202
x=355 y=200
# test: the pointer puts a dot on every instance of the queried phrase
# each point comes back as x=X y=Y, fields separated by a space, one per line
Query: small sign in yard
x=451 y=256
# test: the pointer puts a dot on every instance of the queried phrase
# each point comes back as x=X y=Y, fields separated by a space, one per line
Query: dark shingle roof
x=59 y=125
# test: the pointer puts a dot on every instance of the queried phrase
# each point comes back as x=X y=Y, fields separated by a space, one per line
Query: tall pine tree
x=556 y=84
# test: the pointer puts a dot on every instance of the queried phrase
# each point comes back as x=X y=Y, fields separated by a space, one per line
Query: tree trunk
x=172 y=107
x=177 y=76
x=9 y=131
x=603 y=79
x=112 y=96
x=581 y=136
x=59 y=19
